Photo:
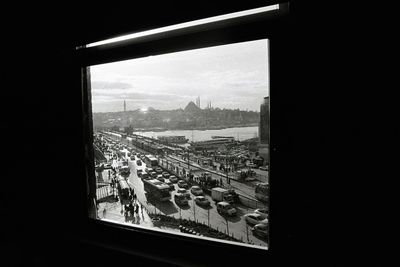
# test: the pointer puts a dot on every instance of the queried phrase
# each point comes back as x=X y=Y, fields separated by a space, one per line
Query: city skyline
x=218 y=74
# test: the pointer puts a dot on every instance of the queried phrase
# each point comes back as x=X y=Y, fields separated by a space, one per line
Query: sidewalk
x=115 y=212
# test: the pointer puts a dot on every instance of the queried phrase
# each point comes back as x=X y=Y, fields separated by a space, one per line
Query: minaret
x=125 y=116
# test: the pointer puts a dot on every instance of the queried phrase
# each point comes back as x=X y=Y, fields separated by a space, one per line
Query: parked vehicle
x=196 y=190
x=264 y=168
x=260 y=230
x=139 y=172
x=170 y=184
x=262 y=212
x=159 y=170
x=184 y=192
x=253 y=218
x=201 y=201
x=226 y=209
x=220 y=194
x=145 y=175
x=183 y=184
x=139 y=162
x=165 y=174
x=149 y=170
x=160 y=178
x=173 y=179
x=180 y=199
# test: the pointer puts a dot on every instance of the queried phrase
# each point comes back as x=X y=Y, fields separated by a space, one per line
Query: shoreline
x=194 y=129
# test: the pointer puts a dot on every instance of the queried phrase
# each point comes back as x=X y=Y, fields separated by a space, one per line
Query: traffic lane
x=235 y=225
x=244 y=189
x=206 y=215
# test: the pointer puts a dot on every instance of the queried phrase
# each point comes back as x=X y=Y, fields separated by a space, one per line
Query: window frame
x=272 y=26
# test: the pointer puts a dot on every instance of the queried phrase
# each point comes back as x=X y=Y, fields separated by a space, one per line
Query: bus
x=151 y=161
x=124 y=191
x=261 y=191
x=157 y=189
x=124 y=153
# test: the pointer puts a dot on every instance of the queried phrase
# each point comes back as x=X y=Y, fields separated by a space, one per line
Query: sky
x=230 y=76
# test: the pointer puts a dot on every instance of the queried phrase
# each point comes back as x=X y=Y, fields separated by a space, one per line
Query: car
x=160 y=178
x=153 y=174
x=260 y=230
x=133 y=158
x=196 y=190
x=183 y=184
x=253 y=218
x=262 y=212
x=145 y=175
x=180 y=199
x=165 y=174
x=170 y=184
x=173 y=179
x=107 y=166
x=184 y=192
x=139 y=162
x=264 y=168
x=149 y=170
x=226 y=209
x=159 y=170
x=139 y=172
x=252 y=165
x=201 y=201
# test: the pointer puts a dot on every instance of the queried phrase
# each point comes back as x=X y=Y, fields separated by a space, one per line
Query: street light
x=194 y=210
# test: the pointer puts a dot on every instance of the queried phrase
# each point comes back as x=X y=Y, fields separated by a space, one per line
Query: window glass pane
x=199 y=115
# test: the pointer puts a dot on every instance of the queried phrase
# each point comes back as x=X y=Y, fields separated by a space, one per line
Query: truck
x=220 y=194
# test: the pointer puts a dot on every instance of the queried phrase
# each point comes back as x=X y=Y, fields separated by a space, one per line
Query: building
x=177 y=139
x=263 y=131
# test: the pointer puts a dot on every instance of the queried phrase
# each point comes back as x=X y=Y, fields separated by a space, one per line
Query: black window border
x=273 y=25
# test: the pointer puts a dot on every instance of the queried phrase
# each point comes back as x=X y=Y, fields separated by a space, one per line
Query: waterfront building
x=177 y=139
x=263 y=132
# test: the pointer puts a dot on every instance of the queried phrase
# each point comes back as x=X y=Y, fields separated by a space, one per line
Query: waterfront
x=239 y=133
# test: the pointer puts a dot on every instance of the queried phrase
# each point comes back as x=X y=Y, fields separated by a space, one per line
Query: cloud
x=105 y=85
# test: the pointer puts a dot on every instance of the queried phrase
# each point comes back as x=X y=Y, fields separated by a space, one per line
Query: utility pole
x=247 y=232
x=208 y=216
x=227 y=227
x=194 y=210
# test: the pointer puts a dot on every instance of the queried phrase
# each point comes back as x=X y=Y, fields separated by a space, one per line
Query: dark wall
x=43 y=198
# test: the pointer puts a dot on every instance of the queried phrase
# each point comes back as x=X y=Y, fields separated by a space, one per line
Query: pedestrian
x=136 y=208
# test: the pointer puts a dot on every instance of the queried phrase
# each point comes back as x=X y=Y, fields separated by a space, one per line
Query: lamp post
x=194 y=210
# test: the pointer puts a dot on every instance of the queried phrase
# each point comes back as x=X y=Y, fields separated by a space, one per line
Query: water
x=239 y=133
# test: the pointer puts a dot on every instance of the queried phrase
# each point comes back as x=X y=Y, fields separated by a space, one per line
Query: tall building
x=263 y=131
x=198 y=101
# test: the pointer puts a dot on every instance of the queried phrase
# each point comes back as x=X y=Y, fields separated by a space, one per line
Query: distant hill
x=192 y=117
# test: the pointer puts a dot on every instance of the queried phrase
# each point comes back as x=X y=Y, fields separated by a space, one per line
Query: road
x=233 y=225
x=209 y=216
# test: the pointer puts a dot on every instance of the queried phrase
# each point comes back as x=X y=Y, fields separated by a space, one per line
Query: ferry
x=178 y=139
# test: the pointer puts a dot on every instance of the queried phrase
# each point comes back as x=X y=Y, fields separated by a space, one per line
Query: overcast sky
x=230 y=76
